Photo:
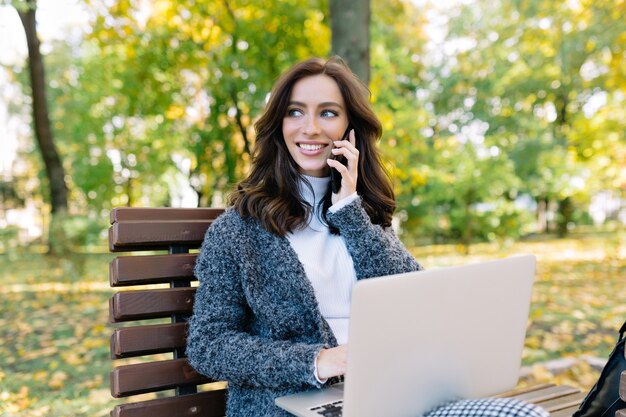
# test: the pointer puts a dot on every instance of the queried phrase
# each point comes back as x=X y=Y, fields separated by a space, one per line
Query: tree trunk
x=542 y=215
x=468 y=232
x=41 y=120
x=350 y=23
x=564 y=216
x=130 y=201
x=43 y=131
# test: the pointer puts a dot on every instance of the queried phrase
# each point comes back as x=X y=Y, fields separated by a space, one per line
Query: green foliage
x=8 y=238
x=75 y=233
x=83 y=232
x=184 y=85
x=534 y=72
x=521 y=101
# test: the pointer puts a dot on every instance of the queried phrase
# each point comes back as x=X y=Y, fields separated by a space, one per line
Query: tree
x=43 y=133
x=350 y=27
x=194 y=76
x=534 y=72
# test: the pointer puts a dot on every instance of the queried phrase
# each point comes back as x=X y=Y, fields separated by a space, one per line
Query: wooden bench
x=175 y=232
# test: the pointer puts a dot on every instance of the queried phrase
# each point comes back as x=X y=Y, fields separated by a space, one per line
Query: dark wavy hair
x=270 y=192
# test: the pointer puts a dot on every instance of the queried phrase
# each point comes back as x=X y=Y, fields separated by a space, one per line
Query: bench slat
x=566 y=412
x=145 y=340
x=150 y=269
x=121 y=214
x=139 y=235
x=147 y=304
x=522 y=390
x=140 y=378
x=205 y=404
x=546 y=394
x=563 y=402
x=558 y=400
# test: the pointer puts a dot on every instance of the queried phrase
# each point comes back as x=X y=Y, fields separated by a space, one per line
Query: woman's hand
x=349 y=172
x=332 y=362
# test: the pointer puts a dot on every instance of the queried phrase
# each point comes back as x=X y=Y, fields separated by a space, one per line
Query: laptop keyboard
x=329 y=410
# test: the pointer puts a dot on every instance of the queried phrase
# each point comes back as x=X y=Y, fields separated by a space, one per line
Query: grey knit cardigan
x=256 y=321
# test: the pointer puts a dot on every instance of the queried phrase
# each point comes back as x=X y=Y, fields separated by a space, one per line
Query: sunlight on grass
x=54 y=360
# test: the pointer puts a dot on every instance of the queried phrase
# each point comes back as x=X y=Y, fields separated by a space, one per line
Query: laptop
x=419 y=339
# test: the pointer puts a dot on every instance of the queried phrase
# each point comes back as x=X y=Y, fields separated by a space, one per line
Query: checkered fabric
x=497 y=407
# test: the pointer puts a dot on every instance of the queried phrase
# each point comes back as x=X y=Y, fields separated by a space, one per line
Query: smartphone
x=335 y=176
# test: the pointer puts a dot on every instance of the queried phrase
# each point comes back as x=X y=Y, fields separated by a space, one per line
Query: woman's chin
x=315 y=171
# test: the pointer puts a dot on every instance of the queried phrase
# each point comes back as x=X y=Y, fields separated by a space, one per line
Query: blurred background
x=504 y=130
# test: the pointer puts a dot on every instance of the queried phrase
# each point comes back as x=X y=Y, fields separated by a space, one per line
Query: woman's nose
x=311 y=126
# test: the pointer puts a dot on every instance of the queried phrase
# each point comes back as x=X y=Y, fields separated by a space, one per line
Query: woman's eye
x=329 y=113
x=294 y=113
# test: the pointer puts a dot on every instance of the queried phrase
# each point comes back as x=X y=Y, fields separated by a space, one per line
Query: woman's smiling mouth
x=311 y=147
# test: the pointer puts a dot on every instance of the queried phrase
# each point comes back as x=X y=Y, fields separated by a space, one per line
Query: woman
x=277 y=268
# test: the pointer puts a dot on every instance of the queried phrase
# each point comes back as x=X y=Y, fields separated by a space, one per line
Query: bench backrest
x=175 y=232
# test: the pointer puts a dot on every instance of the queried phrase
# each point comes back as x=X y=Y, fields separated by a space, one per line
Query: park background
x=504 y=130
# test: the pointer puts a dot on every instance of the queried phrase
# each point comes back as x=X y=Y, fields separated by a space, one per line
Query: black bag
x=603 y=400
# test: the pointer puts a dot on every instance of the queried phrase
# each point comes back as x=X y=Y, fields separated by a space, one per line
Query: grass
x=54 y=359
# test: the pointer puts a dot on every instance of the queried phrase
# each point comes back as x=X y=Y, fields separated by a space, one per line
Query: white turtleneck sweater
x=326 y=260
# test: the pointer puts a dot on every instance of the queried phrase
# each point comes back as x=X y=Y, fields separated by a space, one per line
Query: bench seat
x=560 y=401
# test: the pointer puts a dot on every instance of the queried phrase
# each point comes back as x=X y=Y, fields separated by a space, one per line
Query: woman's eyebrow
x=323 y=104
x=330 y=104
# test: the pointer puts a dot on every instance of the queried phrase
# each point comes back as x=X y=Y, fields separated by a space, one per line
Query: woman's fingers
x=347 y=148
x=348 y=172
x=350 y=154
x=332 y=362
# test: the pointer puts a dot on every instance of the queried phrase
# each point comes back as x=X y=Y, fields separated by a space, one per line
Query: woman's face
x=316 y=116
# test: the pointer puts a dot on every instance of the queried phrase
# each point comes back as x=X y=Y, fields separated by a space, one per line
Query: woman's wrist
x=316 y=372
x=343 y=202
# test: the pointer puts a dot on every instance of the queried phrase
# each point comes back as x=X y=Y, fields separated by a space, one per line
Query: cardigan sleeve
x=220 y=346
x=376 y=251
